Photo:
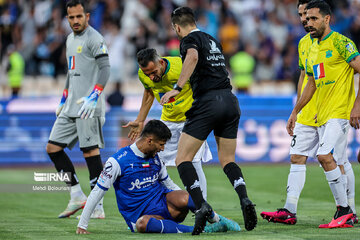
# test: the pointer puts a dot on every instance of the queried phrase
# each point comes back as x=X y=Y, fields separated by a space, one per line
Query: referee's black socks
x=190 y=180
x=95 y=167
x=63 y=164
x=233 y=172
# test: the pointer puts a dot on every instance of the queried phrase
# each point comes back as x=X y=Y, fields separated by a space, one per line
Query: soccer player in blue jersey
x=147 y=198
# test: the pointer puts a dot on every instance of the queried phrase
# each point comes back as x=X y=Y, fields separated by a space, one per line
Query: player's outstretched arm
x=187 y=70
x=110 y=173
x=355 y=112
x=137 y=126
x=306 y=96
x=93 y=199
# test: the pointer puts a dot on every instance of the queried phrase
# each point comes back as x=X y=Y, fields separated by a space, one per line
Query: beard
x=305 y=27
x=318 y=32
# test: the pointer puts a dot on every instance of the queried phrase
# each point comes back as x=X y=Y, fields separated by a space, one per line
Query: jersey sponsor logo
x=145 y=182
x=350 y=48
x=104 y=175
x=179 y=101
x=108 y=167
x=103 y=48
x=79 y=49
x=122 y=155
x=214 y=48
x=71 y=62
x=319 y=71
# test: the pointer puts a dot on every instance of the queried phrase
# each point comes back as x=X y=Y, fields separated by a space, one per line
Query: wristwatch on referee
x=176 y=87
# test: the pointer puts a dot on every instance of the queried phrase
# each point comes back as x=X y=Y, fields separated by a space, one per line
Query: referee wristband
x=176 y=87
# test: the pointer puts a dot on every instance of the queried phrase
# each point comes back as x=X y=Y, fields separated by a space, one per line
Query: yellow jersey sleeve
x=175 y=109
x=307 y=114
x=345 y=47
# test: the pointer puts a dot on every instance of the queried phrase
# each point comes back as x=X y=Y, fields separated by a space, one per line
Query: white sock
x=76 y=193
x=350 y=188
x=296 y=181
x=202 y=178
x=337 y=188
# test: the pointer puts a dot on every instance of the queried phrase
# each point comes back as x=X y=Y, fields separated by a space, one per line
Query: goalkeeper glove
x=88 y=108
x=62 y=102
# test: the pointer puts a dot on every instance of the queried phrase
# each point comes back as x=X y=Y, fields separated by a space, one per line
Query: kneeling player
x=147 y=198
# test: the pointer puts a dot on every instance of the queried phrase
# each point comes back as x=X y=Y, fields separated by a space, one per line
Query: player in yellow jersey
x=330 y=66
x=158 y=76
x=305 y=143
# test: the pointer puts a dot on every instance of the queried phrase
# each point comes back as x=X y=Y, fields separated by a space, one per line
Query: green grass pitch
x=33 y=215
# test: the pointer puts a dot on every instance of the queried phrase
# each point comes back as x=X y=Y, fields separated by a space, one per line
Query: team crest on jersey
x=103 y=48
x=328 y=53
x=79 y=49
x=319 y=71
x=71 y=62
x=214 y=48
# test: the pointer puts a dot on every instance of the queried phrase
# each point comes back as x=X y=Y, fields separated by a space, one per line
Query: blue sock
x=166 y=226
x=191 y=204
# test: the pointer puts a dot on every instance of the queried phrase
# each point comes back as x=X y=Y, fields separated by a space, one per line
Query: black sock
x=190 y=180
x=63 y=164
x=95 y=167
x=234 y=174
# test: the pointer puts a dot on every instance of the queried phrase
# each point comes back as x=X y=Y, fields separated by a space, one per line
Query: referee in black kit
x=214 y=108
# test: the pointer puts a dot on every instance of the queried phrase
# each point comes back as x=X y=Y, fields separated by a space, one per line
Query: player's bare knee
x=184 y=198
x=325 y=159
x=298 y=159
x=141 y=223
x=51 y=148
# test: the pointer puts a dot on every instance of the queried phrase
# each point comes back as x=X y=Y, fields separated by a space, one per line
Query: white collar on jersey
x=136 y=150
x=195 y=30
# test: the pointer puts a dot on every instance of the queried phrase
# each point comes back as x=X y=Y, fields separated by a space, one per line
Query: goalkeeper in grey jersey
x=81 y=112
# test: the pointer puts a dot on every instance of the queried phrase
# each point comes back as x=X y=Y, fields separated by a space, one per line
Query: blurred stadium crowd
x=259 y=37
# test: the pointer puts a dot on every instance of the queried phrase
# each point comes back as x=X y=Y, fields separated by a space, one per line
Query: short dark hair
x=183 y=16
x=158 y=129
x=301 y=2
x=147 y=55
x=323 y=7
x=73 y=3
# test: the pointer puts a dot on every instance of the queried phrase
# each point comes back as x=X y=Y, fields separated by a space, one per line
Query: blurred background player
x=215 y=108
x=305 y=142
x=159 y=75
x=78 y=117
x=330 y=66
x=15 y=70
x=147 y=198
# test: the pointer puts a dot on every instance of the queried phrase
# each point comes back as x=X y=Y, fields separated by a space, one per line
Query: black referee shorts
x=216 y=110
